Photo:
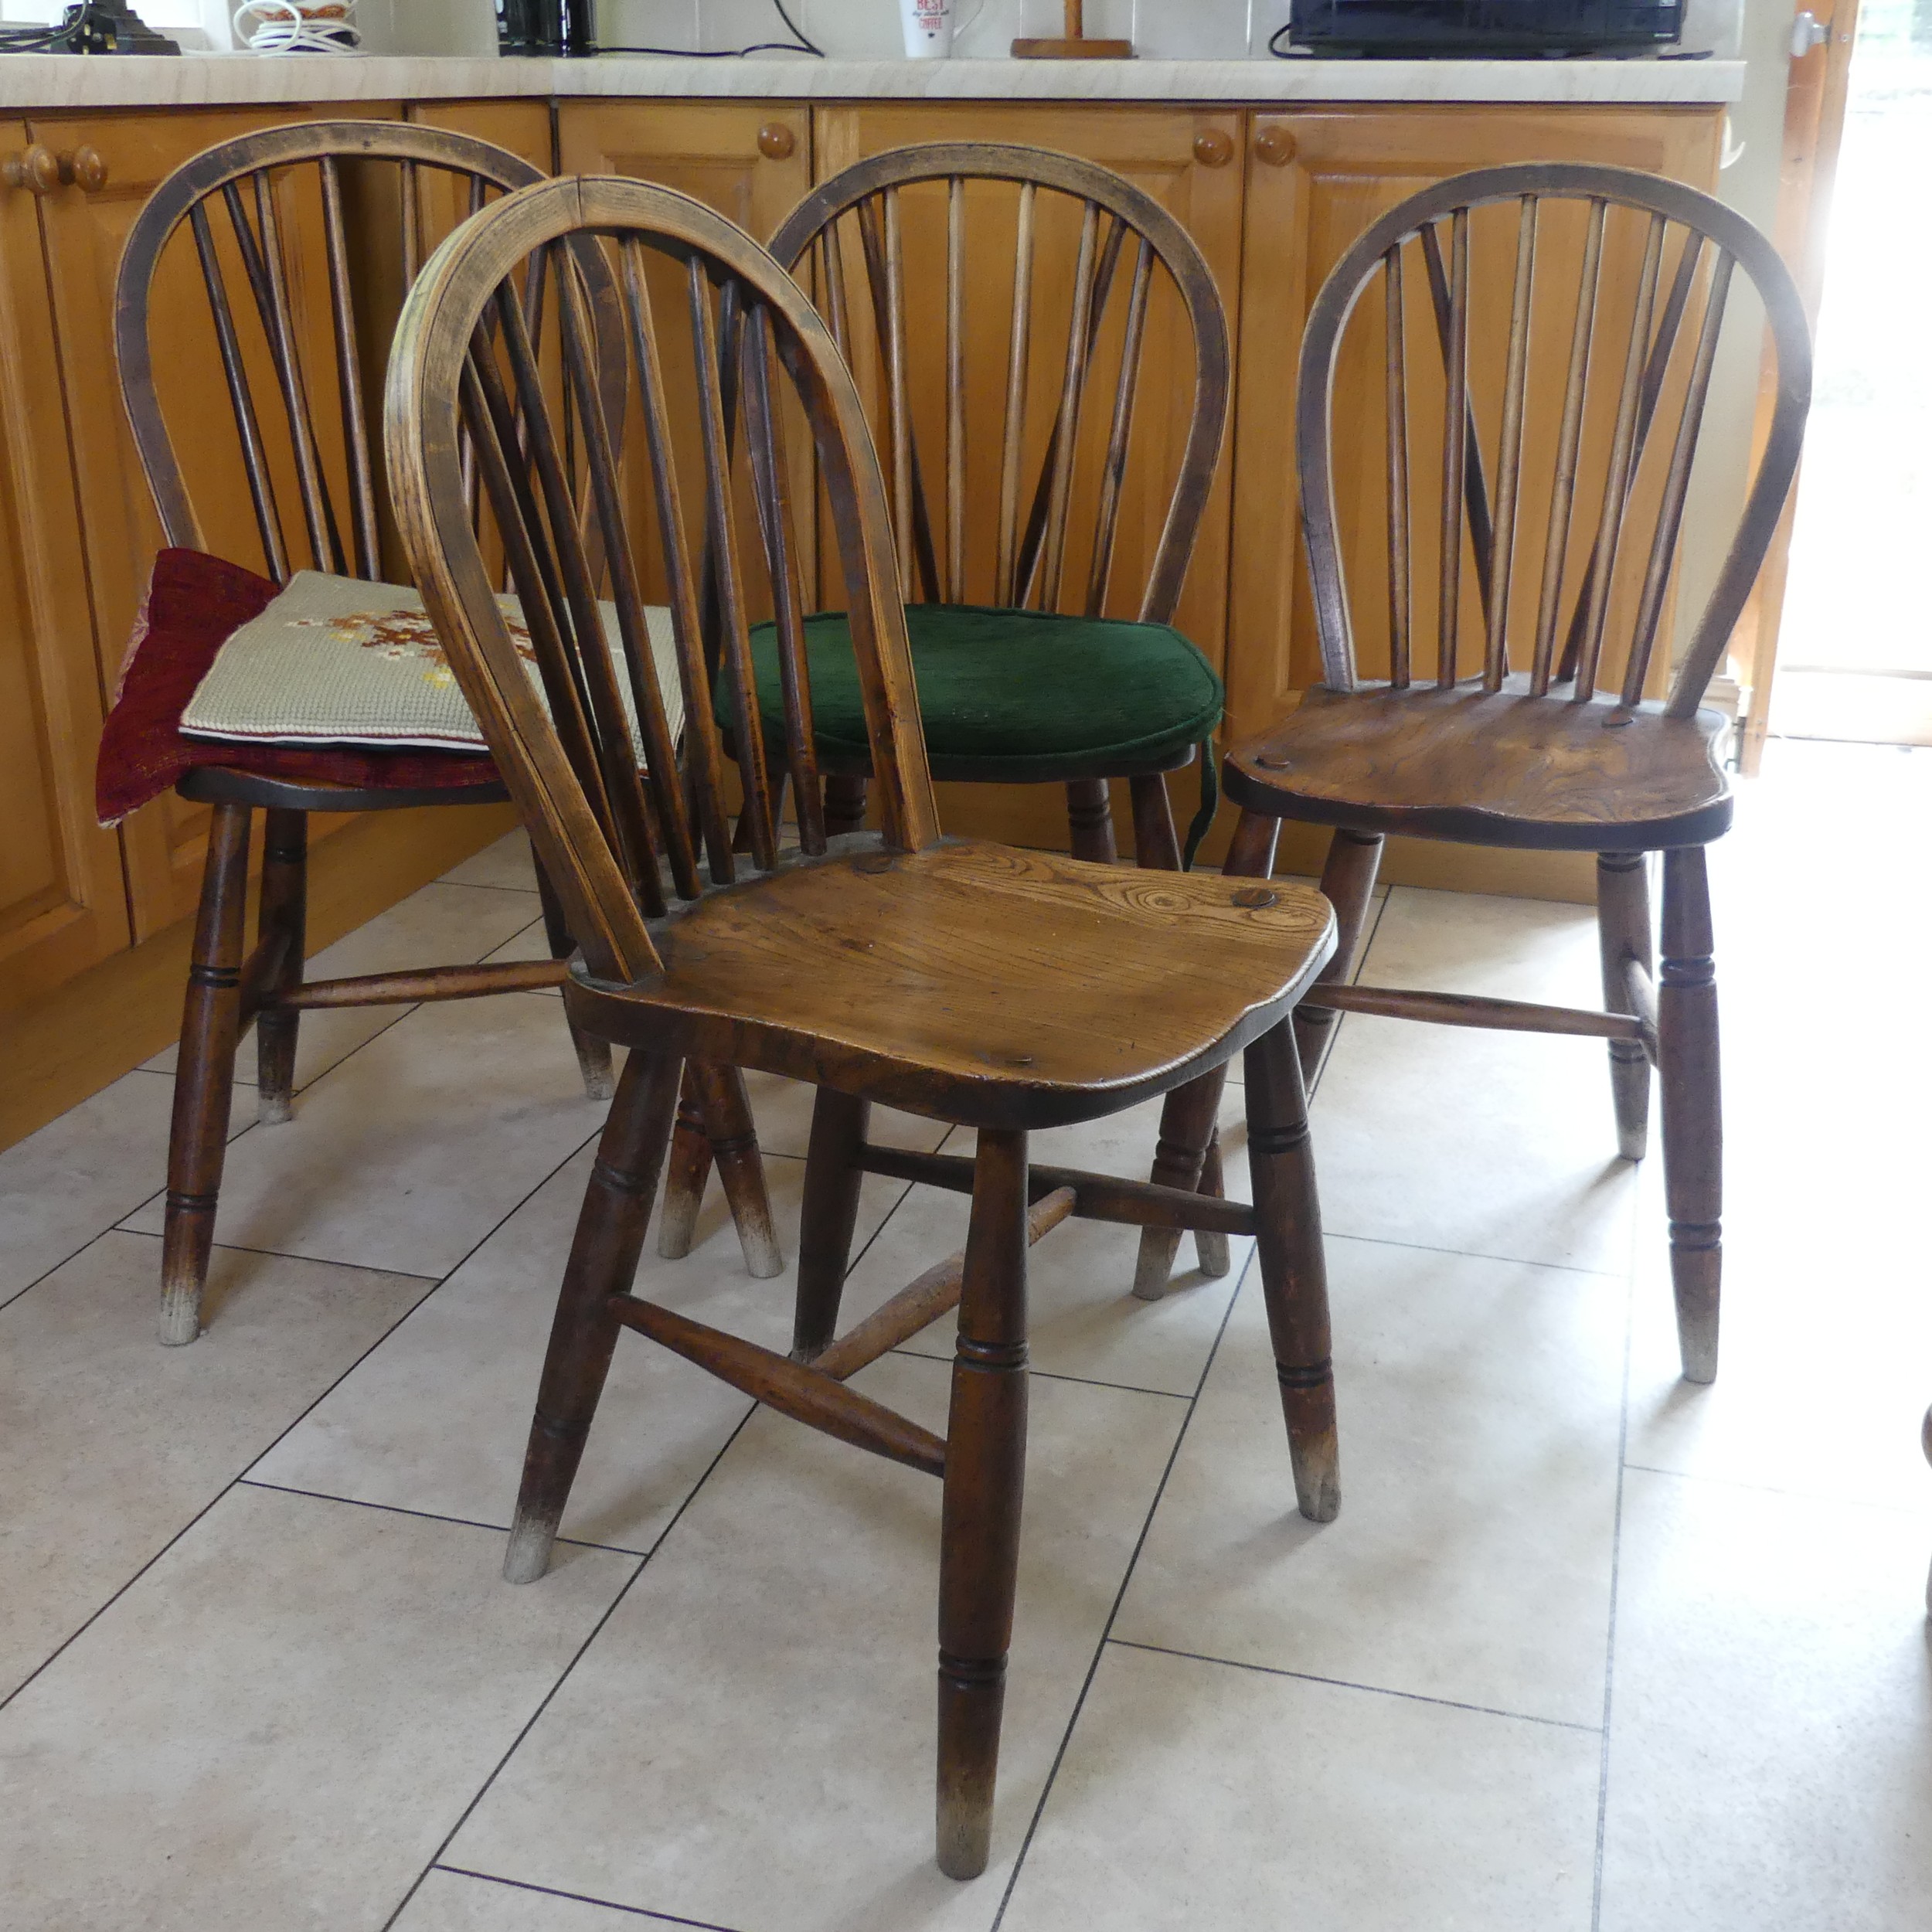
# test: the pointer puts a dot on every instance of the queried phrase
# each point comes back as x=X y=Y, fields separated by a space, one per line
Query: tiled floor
x=1586 y=1648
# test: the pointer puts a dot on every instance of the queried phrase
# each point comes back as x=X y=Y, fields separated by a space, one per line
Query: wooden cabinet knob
x=34 y=169
x=777 y=142
x=85 y=169
x=1276 y=146
x=1213 y=148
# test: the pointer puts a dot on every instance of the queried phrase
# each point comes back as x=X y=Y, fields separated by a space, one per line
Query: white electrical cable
x=299 y=26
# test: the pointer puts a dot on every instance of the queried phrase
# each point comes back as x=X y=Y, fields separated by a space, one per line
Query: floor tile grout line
x=1114 y=1610
x=1050 y=1375
x=1471 y=1254
x=422 y=1515
x=101 y=1609
x=284 y=1254
x=563 y=1676
x=580 y=1898
x=1775 y=1489
x=1350 y=1683
x=1610 y=1635
x=481 y=886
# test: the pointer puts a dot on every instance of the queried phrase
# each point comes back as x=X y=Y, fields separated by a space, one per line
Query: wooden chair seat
x=1491 y=767
x=971 y=982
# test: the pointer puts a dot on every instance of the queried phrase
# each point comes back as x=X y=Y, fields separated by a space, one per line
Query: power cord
x=797 y=44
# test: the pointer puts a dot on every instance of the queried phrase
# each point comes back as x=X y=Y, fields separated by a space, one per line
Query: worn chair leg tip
x=962 y=1850
x=1211 y=1251
x=529 y=1554
x=675 y=1231
x=273 y=1109
x=1700 y=1365
x=1633 y=1147
x=180 y=1323
x=764 y=1260
x=1153 y=1270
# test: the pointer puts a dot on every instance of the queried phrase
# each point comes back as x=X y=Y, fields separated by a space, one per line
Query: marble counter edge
x=48 y=83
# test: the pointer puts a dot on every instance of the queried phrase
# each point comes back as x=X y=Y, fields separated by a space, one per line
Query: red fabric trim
x=194 y=604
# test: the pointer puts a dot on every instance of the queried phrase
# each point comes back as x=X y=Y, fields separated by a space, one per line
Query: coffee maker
x=546 y=26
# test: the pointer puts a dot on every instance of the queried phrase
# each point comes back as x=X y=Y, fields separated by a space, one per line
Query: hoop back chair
x=968 y=982
x=302 y=334
x=971 y=283
x=1549 y=550
x=1095 y=510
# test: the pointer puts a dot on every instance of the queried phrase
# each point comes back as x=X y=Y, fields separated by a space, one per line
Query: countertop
x=52 y=81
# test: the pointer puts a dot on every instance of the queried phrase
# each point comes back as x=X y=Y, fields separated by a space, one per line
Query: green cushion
x=1020 y=695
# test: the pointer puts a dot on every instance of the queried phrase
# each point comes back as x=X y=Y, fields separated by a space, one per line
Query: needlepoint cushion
x=1021 y=695
x=336 y=660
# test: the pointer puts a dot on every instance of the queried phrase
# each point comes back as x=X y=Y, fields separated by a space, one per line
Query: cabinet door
x=85 y=234
x=62 y=899
x=1172 y=153
x=1316 y=180
x=751 y=160
x=523 y=127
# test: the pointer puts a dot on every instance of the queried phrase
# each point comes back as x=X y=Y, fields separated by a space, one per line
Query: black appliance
x=546 y=26
x=1482 y=29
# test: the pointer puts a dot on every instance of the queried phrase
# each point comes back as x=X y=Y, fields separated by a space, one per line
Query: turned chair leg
x=1089 y=818
x=1157 y=845
x=685 y=1178
x=1691 y=1109
x=1189 y=1151
x=830 y=1213
x=1925 y=1442
x=594 y=1055
x=1623 y=934
x=1180 y=1160
x=204 y=1075
x=1294 y=1278
x=985 y=1474
x=1347 y=883
x=1211 y=1249
x=603 y=1262
x=845 y=804
x=721 y=1114
x=284 y=915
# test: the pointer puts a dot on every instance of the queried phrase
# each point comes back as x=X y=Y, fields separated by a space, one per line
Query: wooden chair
x=969 y=982
x=1554 y=569
x=285 y=225
x=972 y=283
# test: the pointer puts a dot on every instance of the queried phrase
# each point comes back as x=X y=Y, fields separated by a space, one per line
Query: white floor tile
x=455 y=1902
x=79 y=1174
x=1770 y=1760
x=1485 y=1143
x=1478 y=1405
x=438 y=1417
x=507 y=864
x=279 y=1724
x=437 y=925
x=112 y=1445
x=1199 y=1795
x=1083 y=1317
x=750 y=1742
x=409 y=1153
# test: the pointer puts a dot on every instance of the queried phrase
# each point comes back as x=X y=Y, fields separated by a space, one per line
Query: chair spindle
x=1509 y=453
x=1569 y=437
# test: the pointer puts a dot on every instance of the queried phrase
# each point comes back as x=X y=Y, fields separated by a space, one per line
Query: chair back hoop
x=1033 y=553
x=622 y=835
x=301 y=393
x=1615 y=462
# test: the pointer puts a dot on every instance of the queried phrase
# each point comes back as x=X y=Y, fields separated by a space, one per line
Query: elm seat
x=1491 y=767
x=1009 y=696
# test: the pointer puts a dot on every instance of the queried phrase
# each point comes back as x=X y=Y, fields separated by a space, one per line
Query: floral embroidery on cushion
x=400 y=635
